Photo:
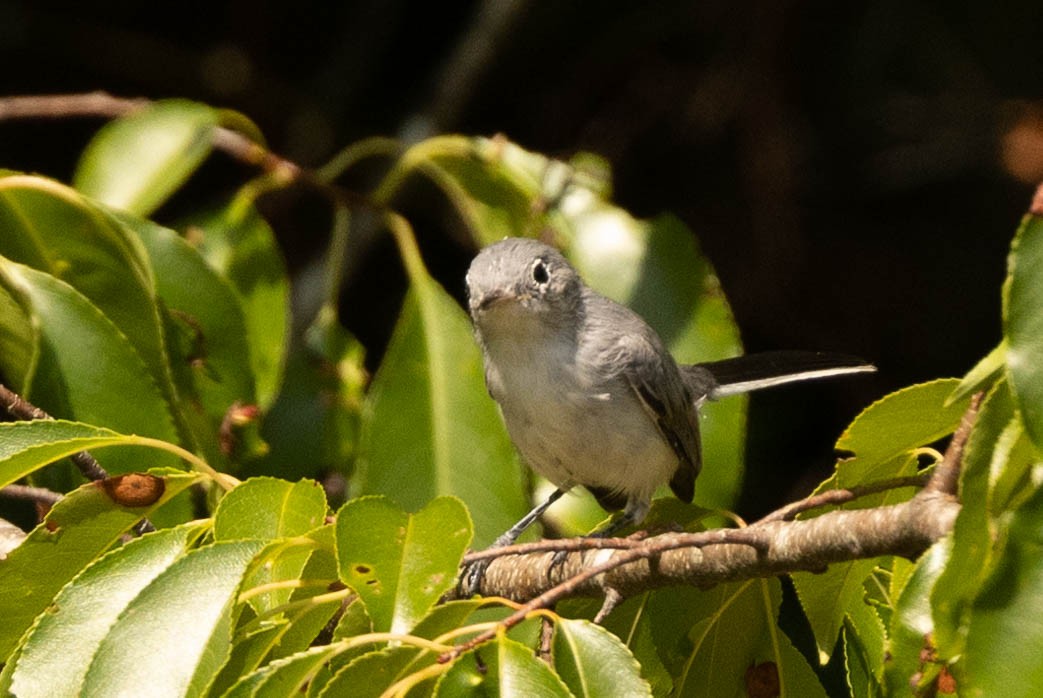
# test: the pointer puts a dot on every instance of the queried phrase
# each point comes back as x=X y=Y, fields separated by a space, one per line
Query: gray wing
x=656 y=381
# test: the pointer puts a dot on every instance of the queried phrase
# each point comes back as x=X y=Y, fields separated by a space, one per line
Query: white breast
x=571 y=425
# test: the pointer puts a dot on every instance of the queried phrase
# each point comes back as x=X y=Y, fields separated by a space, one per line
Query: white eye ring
x=540 y=273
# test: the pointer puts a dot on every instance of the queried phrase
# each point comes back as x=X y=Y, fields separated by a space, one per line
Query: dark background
x=854 y=171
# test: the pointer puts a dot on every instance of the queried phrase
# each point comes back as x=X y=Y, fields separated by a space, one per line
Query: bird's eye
x=539 y=272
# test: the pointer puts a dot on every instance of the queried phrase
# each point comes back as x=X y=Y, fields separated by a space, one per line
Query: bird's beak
x=487 y=300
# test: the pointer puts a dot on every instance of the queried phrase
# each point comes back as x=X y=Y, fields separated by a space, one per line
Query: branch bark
x=763 y=549
x=773 y=546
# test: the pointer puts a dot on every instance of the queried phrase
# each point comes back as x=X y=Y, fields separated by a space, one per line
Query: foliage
x=157 y=347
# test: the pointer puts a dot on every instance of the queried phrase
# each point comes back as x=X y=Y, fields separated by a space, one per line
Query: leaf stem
x=225 y=480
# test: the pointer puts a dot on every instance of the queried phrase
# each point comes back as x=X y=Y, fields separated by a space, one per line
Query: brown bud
x=134 y=489
x=762 y=680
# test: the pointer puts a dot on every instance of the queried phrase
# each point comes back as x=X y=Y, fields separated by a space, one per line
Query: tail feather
x=717 y=379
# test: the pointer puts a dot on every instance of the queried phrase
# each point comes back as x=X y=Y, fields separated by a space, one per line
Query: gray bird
x=589 y=393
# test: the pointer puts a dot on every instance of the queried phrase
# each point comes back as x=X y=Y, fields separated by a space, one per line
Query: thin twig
x=842 y=496
x=19 y=407
x=33 y=494
x=946 y=476
x=648 y=548
x=786 y=513
x=231 y=142
x=89 y=104
x=762 y=536
x=568 y=545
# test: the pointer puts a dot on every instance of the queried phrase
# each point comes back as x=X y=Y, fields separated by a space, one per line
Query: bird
x=588 y=391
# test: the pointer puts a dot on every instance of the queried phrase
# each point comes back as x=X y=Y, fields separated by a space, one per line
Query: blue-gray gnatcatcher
x=588 y=392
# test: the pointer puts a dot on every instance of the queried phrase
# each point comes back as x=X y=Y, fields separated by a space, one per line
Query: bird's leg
x=473 y=573
x=635 y=512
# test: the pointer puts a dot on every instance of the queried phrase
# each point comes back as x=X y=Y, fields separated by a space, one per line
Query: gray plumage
x=589 y=393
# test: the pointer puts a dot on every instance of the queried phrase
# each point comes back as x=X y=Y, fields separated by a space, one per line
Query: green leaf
x=203 y=311
x=295 y=630
x=19 y=344
x=594 y=662
x=238 y=243
x=1023 y=324
x=635 y=623
x=313 y=426
x=864 y=639
x=909 y=418
x=59 y=649
x=827 y=598
x=136 y=162
x=975 y=528
x=883 y=439
x=53 y=229
x=371 y=674
x=430 y=428
x=719 y=656
x=191 y=601
x=911 y=624
x=77 y=530
x=984 y=374
x=1005 y=629
x=502 y=667
x=398 y=563
x=28 y=446
x=88 y=369
x=268 y=509
x=283 y=678
x=493 y=195
x=446 y=617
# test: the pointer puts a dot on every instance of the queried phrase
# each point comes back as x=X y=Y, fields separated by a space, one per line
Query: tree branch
x=233 y=143
x=18 y=407
x=775 y=545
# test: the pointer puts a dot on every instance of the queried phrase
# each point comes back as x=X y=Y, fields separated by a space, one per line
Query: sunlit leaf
x=87 y=368
x=399 y=563
x=864 y=640
x=494 y=198
x=283 y=678
x=238 y=243
x=192 y=601
x=984 y=374
x=27 y=446
x=136 y=162
x=912 y=418
x=1006 y=622
x=975 y=527
x=371 y=674
x=503 y=667
x=1023 y=325
x=429 y=426
x=54 y=229
x=76 y=531
x=911 y=623
x=290 y=633
x=594 y=662
x=60 y=647
x=268 y=509
x=207 y=339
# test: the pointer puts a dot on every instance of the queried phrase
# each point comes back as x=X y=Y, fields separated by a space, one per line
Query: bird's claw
x=471 y=577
